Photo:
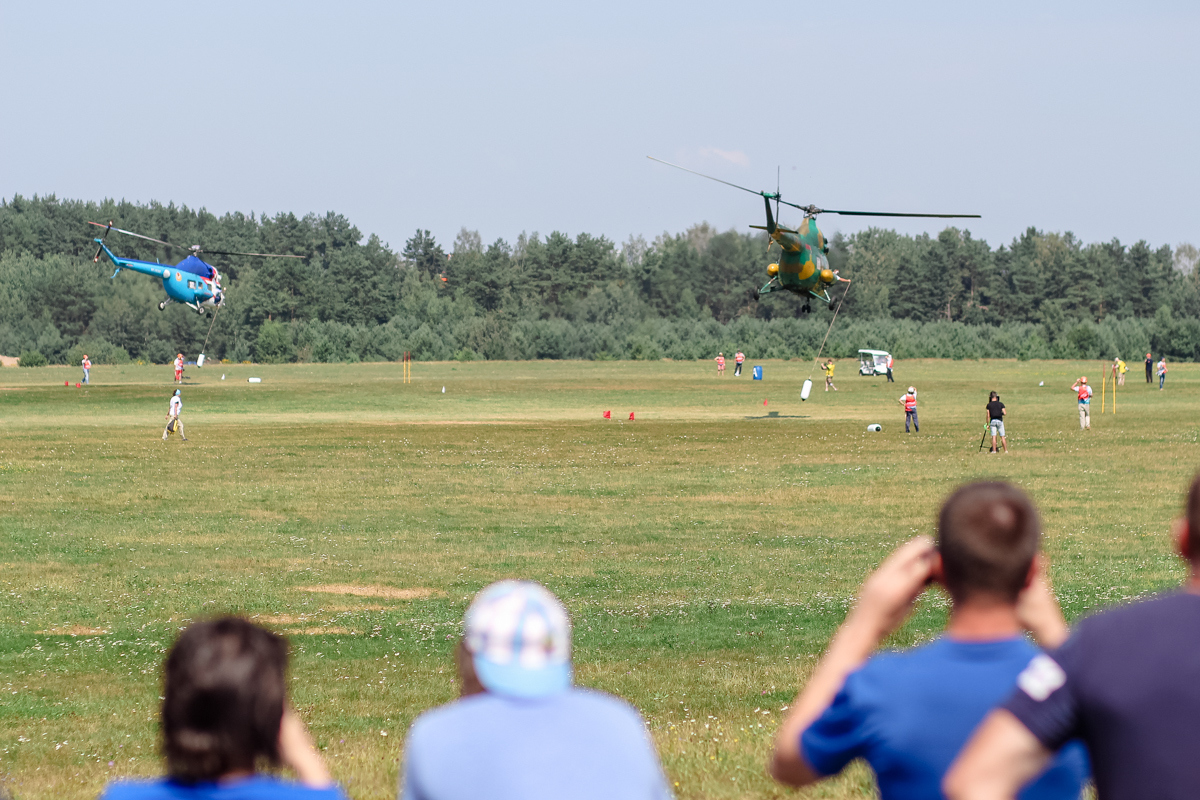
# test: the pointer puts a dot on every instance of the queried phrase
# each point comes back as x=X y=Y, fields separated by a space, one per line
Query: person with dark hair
x=224 y=715
x=1127 y=683
x=995 y=413
x=907 y=714
x=520 y=728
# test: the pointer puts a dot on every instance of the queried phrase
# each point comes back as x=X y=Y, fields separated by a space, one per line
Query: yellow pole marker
x=1103 y=386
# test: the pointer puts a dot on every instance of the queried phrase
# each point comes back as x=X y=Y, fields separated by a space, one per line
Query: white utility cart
x=873 y=362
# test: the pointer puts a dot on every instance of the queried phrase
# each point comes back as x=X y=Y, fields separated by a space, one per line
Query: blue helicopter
x=191 y=282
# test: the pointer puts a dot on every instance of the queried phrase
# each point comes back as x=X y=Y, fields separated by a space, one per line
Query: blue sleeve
x=839 y=735
x=408 y=779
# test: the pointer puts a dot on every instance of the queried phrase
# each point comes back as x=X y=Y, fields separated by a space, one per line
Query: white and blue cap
x=519 y=638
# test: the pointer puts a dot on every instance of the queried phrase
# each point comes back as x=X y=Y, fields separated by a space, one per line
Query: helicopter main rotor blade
x=894 y=214
x=138 y=235
x=234 y=253
x=718 y=180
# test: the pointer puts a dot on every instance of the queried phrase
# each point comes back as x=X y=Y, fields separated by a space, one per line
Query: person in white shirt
x=173 y=417
x=87 y=367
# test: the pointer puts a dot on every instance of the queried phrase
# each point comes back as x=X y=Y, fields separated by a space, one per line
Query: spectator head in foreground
x=518 y=639
x=224 y=716
x=908 y=714
x=1127 y=683
x=520 y=728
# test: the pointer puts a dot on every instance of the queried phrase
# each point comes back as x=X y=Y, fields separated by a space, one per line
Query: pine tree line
x=681 y=296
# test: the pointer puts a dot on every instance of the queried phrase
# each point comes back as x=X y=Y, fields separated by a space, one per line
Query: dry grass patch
x=74 y=630
x=386 y=592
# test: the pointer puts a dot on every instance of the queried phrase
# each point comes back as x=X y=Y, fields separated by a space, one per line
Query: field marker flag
x=631 y=416
x=764 y=402
x=608 y=415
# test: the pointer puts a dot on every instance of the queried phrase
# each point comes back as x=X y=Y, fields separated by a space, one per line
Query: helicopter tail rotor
x=99 y=250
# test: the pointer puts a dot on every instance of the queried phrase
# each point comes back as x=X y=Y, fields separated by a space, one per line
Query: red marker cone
x=608 y=415
x=66 y=383
x=764 y=402
x=631 y=416
x=77 y=385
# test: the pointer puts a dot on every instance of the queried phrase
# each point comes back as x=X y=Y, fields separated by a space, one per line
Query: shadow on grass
x=777 y=415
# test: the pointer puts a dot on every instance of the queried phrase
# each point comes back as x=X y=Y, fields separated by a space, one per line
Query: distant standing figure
x=179 y=368
x=909 y=401
x=1162 y=372
x=889 y=368
x=173 y=417
x=828 y=366
x=87 y=367
x=1149 y=368
x=1084 y=393
x=737 y=364
x=995 y=417
x=720 y=365
x=1121 y=370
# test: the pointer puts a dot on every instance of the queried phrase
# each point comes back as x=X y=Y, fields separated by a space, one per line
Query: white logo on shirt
x=1041 y=677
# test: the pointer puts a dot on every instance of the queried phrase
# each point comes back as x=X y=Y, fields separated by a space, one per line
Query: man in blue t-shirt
x=908 y=714
x=1127 y=683
x=521 y=730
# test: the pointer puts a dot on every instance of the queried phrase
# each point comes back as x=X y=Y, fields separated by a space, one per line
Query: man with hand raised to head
x=1127 y=683
x=908 y=713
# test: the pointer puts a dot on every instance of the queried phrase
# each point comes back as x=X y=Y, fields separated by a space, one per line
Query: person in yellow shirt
x=1121 y=369
x=828 y=367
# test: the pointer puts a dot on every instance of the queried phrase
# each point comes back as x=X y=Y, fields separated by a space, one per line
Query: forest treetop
x=355 y=289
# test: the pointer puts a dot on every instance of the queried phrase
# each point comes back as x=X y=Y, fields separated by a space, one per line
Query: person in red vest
x=87 y=367
x=737 y=364
x=720 y=365
x=909 y=401
x=1084 y=393
x=889 y=369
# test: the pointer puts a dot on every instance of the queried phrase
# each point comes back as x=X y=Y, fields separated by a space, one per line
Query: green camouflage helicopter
x=803 y=266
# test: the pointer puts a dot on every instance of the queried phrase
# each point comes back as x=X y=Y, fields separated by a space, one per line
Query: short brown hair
x=223 y=699
x=987 y=535
x=1193 y=520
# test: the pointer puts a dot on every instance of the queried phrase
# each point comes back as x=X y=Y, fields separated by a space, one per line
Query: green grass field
x=706 y=550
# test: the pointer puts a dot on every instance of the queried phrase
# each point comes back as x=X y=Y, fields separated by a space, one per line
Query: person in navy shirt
x=224 y=709
x=1127 y=683
x=908 y=714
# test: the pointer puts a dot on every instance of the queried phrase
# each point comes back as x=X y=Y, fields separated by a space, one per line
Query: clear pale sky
x=537 y=116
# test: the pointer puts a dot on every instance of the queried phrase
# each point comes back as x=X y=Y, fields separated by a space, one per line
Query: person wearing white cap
x=520 y=728
x=174 y=422
x=909 y=401
x=1084 y=394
